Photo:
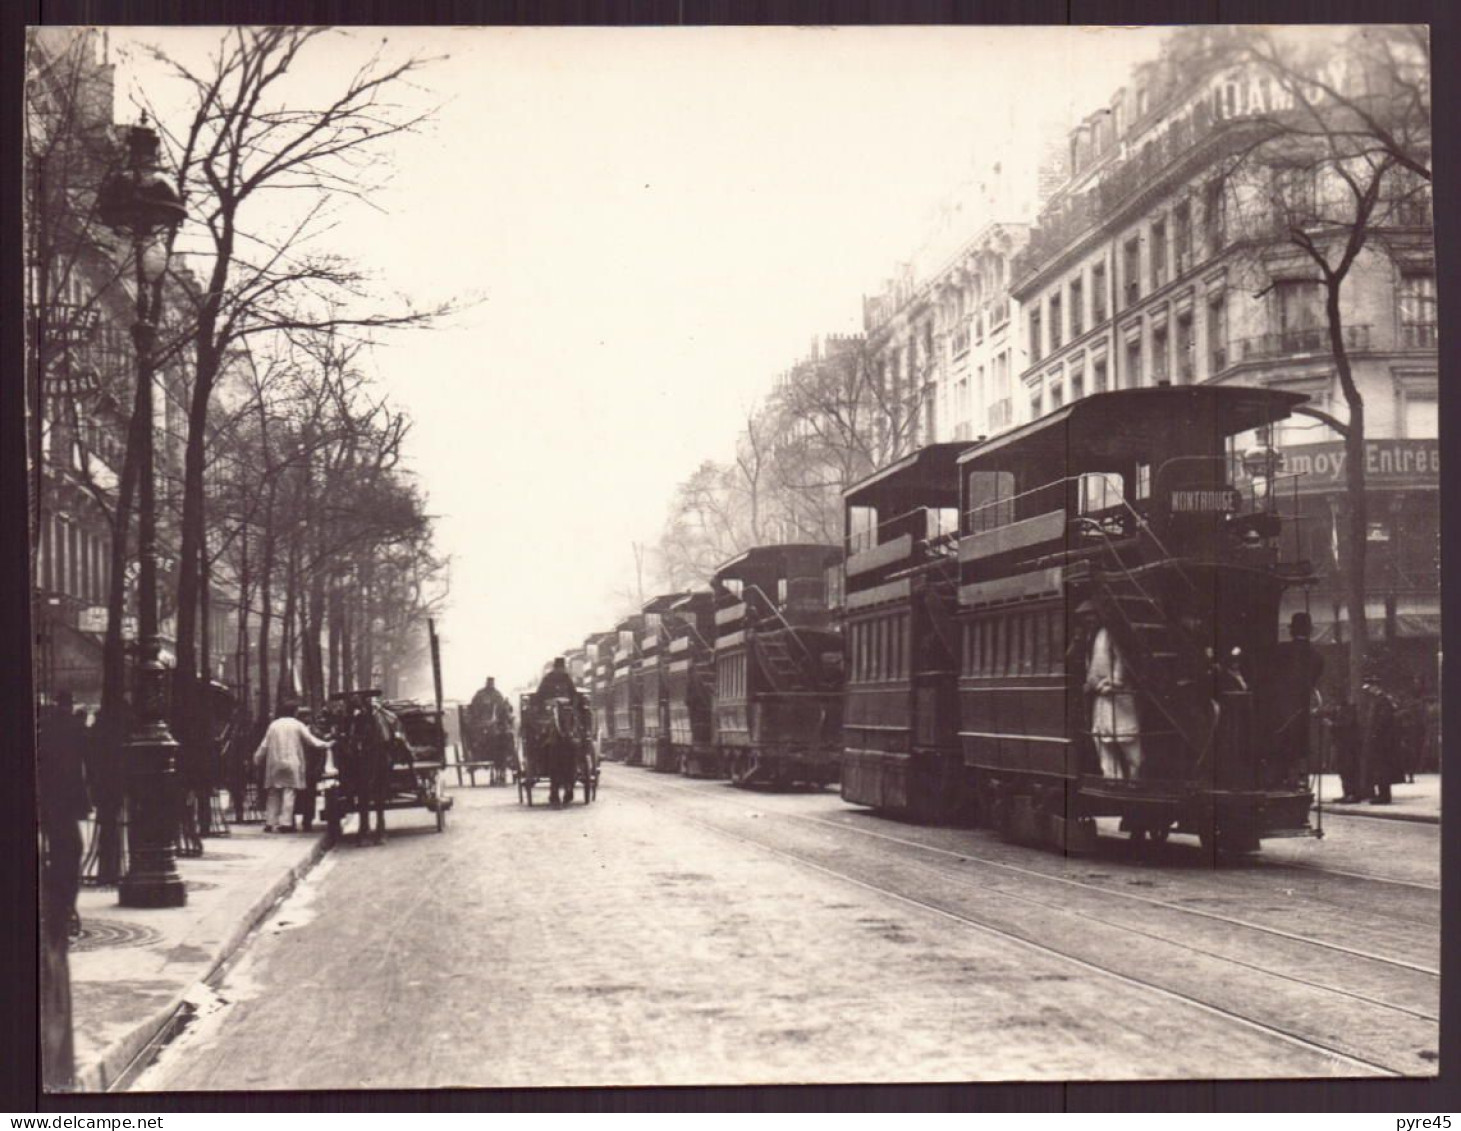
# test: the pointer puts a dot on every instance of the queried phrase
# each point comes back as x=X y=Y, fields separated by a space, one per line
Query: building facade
x=1162 y=259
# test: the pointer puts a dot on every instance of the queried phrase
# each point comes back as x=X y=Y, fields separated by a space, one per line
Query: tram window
x=1057 y=639
x=1041 y=651
x=1143 y=481
x=1101 y=490
x=991 y=499
x=781 y=591
x=991 y=642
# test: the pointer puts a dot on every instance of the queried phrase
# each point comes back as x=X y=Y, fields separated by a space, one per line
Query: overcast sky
x=656 y=222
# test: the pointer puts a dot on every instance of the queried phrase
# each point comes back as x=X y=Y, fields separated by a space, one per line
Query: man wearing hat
x=1114 y=723
x=1378 y=737
x=557 y=684
x=1296 y=672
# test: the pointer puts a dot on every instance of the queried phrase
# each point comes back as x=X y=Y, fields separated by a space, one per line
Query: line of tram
x=1075 y=620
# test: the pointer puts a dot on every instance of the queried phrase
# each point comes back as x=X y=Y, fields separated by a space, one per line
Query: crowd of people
x=1380 y=741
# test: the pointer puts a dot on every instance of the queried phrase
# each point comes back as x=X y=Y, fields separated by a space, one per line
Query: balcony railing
x=1293 y=343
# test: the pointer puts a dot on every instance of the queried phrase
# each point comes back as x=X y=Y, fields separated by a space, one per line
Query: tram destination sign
x=1207 y=500
x=1388 y=463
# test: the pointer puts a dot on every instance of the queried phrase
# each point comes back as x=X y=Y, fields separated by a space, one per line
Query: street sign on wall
x=1388 y=463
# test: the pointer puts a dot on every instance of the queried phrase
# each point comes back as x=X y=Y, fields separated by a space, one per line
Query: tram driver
x=1114 y=724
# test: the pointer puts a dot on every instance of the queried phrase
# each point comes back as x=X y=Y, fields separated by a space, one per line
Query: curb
x=117 y=1062
x=1412 y=818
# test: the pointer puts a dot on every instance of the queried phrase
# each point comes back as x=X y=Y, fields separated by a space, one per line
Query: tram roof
x=663 y=603
x=1127 y=415
x=927 y=473
x=758 y=557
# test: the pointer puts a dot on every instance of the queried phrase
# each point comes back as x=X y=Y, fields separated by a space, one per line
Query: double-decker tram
x=626 y=705
x=778 y=663
x=900 y=626
x=654 y=687
x=1119 y=600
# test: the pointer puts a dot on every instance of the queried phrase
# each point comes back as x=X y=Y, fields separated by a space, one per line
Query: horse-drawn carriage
x=557 y=746
x=487 y=742
x=389 y=756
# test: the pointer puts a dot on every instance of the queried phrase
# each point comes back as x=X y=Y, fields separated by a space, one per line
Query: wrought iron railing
x=1288 y=343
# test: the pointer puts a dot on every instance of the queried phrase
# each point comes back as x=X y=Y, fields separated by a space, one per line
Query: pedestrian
x=307 y=799
x=63 y=805
x=1410 y=725
x=1343 y=724
x=1378 y=739
x=282 y=756
x=1296 y=669
x=1114 y=722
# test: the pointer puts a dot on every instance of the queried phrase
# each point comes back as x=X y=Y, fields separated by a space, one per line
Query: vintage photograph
x=656 y=556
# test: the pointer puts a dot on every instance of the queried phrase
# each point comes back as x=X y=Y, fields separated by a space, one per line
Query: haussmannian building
x=1144 y=268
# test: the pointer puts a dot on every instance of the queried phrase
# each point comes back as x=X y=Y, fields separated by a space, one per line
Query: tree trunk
x=1354 y=466
x=336 y=617
x=367 y=630
x=347 y=640
x=245 y=581
x=266 y=607
x=285 y=689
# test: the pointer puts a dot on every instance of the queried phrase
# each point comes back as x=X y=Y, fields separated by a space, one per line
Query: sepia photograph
x=595 y=557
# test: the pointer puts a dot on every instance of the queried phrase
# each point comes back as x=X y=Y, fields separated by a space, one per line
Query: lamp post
x=139 y=203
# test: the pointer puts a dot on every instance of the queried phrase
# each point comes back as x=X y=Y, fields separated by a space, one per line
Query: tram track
x=1131 y=897
x=1288 y=1037
x=973 y=856
x=1339 y=997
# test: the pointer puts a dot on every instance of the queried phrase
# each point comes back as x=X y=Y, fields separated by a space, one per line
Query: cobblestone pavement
x=687 y=933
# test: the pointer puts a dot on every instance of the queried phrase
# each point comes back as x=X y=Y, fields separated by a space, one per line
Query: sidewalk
x=132 y=970
x=1419 y=802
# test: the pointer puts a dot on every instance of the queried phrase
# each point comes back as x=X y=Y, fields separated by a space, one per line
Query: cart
x=415 y=746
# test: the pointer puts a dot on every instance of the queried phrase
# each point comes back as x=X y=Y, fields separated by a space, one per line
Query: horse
x=372 y=738
x=556 y=736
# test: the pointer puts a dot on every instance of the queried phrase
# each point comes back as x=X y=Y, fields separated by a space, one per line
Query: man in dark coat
x=1343 y=725
x=61 y=785
x=1297 y=669
x=1378 y=739
x=489 y=706
x=557 y=684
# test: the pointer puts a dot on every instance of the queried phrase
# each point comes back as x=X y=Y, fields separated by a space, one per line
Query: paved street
x=683 y=932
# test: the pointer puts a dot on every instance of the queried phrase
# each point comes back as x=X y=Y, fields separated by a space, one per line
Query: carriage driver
x=489 y=705
x=558 y=684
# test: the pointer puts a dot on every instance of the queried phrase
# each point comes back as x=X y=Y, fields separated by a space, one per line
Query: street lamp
x=138 y=203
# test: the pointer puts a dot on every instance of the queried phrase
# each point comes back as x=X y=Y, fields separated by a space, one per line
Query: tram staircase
x=786 y=672
x=1162 y=658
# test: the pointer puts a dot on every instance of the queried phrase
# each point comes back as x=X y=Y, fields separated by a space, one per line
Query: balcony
x=959 y=341
x=1298 y=343
x=999 y=313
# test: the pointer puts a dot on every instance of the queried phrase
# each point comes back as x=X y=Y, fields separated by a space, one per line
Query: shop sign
x=1388 y=463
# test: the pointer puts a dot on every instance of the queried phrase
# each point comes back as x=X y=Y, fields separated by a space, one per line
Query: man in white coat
x=282 y=754
x=1114 y=723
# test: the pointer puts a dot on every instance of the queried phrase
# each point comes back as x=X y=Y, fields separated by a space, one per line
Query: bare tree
x=1337 y=168
x=246 y=141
